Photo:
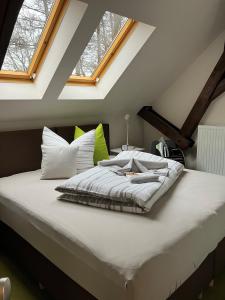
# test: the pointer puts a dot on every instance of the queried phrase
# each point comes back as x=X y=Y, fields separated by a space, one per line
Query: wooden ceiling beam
x=213 y=88
x=205 y=98
x=165 y=127
x=219 y=90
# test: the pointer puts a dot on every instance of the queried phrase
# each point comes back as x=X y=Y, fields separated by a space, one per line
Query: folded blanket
x=101 y=186
x=99 y=202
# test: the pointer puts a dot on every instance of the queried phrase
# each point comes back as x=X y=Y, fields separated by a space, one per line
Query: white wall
x=176 y=103
x=183 y=30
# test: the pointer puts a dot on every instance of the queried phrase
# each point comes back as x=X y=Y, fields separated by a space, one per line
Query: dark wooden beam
x=210 y=91
x=213 y=88
x=219 y=90
x=164 y=126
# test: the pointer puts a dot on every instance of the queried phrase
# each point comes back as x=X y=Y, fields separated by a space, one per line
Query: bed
x=87 y=253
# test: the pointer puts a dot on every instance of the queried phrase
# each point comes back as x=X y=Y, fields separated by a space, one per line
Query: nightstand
x=116 y=151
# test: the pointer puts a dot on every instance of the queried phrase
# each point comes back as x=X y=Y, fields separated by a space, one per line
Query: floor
x=23 y=288
x=218 y=291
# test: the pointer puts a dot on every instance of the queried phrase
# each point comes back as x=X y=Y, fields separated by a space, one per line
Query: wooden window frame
x=44 y=44
x=107 y=59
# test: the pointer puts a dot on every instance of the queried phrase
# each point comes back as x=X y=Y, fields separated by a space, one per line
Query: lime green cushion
x=78 y=132
x=101 y=151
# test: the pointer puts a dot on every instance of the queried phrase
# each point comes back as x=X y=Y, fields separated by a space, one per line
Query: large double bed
x=80 y=252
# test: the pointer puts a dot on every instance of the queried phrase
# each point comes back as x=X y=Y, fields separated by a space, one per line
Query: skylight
x=30 y=36
x=103 y=44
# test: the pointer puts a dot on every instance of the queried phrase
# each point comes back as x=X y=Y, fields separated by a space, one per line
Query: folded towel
x=132 y=165
x=162 y=172
x=143 y=178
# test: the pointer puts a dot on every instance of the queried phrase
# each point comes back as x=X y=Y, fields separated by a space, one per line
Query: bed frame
x=20 y=152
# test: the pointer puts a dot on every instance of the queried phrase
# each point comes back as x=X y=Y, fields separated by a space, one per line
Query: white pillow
x=85 y=154
x=58 y=161
x=85 y=144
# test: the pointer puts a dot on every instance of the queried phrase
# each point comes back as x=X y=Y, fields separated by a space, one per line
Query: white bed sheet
x=116 y=255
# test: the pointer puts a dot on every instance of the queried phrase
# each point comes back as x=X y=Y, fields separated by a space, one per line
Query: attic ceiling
x=183 y=30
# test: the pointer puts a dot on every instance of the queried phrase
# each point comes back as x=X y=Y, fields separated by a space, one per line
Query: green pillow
x=101 y=151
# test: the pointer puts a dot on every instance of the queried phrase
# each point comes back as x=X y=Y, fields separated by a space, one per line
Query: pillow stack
x=63 y=160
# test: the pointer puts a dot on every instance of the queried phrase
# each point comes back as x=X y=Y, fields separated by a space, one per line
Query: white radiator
x=211 y=149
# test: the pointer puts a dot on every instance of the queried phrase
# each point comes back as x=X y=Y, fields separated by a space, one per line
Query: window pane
x=26 y=34
x=103 y=37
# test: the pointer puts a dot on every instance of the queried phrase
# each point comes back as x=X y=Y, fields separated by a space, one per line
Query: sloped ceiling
x=183 y=30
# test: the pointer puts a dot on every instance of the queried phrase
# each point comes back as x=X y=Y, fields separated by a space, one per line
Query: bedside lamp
x=126 y=147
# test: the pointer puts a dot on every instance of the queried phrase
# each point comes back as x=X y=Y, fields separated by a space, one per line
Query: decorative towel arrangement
x=132 y=182
x=132 y=168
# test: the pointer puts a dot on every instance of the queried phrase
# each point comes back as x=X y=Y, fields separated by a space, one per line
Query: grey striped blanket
x=102 y=187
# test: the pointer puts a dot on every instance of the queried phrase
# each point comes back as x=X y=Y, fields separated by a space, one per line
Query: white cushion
x=58 y=161
x=86 y=144
x=64 y=160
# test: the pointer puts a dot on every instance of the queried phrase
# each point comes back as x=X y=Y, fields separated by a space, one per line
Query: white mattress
x=115 y=255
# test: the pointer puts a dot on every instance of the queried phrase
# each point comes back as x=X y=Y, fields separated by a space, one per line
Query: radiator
x=211 y=149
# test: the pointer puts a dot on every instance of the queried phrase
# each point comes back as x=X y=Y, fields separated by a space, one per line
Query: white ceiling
x=183 y=30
